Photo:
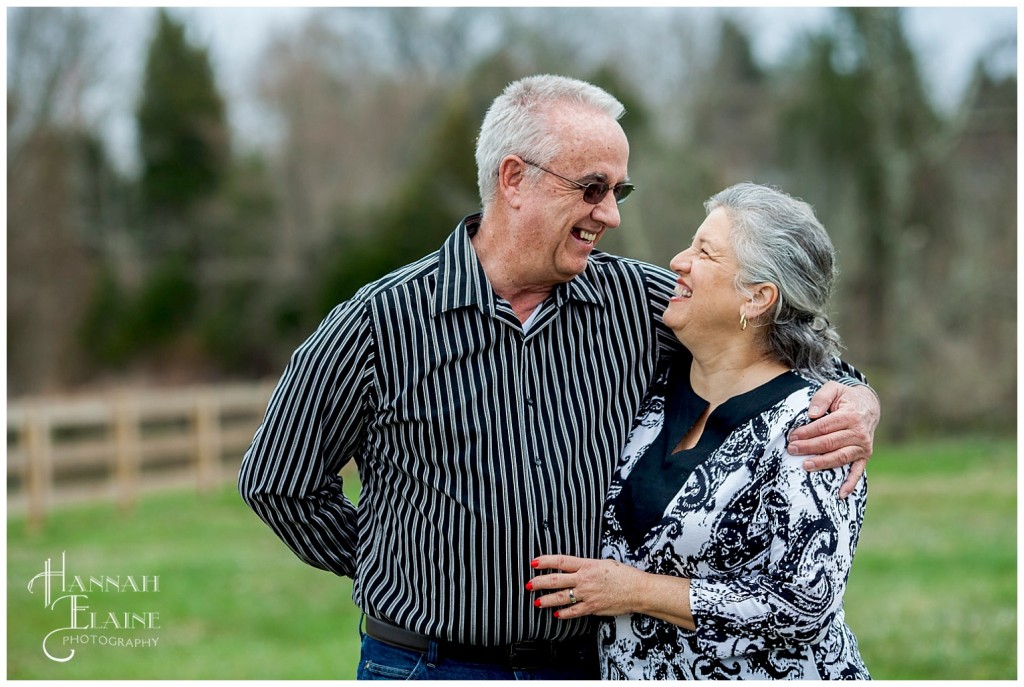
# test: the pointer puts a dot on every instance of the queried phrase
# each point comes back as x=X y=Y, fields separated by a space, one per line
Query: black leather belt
x=518 y=656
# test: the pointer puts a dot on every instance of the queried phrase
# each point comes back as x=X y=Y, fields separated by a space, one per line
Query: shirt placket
x=533 y=461
x=536 y=526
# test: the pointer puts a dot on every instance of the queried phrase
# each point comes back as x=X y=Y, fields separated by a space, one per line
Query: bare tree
x=53 y=59
x=52 y=164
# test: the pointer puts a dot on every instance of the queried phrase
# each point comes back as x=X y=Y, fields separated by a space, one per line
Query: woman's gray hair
x=517 y=124
x=777 y=238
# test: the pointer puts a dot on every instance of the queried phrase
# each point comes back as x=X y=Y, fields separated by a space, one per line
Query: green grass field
x=933 y=593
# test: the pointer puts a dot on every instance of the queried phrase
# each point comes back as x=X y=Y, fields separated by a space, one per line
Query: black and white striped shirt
x=478 y=447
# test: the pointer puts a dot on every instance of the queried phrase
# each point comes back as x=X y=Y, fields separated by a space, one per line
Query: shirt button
x=529 y=401
x=537 y=461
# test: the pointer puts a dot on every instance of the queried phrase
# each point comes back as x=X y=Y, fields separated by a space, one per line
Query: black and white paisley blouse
x=767 y=545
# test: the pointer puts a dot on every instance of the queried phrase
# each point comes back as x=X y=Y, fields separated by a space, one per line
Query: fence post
x=207 y=419
x=127 y=450
x=40 y=464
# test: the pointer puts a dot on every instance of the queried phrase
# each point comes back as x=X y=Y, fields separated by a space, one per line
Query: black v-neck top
x=659 y=474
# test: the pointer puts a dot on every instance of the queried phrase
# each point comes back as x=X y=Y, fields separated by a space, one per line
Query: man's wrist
x=853 y=381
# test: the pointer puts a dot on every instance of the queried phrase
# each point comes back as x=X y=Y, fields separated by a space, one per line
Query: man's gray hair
x=777 y=238
x=516 y=123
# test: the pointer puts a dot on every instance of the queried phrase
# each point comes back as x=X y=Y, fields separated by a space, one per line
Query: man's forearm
x=847 y=374
x=320 y=528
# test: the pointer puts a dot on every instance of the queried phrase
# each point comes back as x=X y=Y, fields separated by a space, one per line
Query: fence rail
x=119 y=445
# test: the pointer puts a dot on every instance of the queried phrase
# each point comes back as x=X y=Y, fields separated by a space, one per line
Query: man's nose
x=607 y=211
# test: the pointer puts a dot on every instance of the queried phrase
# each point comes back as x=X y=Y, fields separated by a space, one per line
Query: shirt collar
x=462 y=282
x=582 y=287
x=684 y=406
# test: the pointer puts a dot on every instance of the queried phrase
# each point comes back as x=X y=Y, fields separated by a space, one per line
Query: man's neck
x=499 y=260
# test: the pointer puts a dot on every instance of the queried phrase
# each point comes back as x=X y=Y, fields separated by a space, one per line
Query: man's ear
x=511 y=173
x=763 y=298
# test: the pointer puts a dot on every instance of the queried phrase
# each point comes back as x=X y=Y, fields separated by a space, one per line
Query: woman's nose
x=681 y=263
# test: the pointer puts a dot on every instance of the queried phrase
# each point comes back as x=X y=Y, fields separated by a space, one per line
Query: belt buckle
x=527 y=655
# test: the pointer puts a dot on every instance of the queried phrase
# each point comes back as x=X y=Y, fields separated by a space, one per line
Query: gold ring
x=572 y=597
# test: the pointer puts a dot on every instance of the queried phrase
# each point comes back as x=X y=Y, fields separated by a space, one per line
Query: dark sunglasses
x=595 y=191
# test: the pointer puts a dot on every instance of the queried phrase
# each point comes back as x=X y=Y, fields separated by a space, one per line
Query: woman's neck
x=731 y=371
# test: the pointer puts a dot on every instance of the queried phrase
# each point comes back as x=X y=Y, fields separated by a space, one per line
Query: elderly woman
x=727 y=558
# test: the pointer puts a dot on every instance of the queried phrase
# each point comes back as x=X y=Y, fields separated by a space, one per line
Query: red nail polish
x=537 y=603
x=556 y=614
x=534 y=563
x=529 y=585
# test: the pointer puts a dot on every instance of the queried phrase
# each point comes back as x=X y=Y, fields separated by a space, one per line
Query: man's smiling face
x=558 y=228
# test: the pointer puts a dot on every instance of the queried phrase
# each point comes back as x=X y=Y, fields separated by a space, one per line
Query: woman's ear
x=511 y=172
x=763 y=298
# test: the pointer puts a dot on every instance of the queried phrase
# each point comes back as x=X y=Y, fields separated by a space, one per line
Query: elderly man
x=485 y=393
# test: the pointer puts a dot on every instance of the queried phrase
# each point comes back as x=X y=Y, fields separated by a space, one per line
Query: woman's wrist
x=665 y=597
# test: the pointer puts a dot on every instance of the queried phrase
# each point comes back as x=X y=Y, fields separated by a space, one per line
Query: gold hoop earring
x=743 y=321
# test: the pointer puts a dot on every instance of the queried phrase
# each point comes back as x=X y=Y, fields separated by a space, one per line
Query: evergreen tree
x=183 y=135
x=184 y=145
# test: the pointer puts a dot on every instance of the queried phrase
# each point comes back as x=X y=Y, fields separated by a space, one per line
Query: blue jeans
x=381 y=661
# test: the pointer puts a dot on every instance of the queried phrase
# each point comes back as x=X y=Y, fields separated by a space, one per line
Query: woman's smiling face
x=706 y=302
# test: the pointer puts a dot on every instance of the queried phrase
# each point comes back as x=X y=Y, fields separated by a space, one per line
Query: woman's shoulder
x=797 y=402
x=666 y=374
x=777 y=400
x=782 y=409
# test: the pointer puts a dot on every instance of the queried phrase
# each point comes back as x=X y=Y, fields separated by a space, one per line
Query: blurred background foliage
x=212 y=261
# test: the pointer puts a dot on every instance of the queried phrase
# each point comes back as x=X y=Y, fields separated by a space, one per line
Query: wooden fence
x=117 y=446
